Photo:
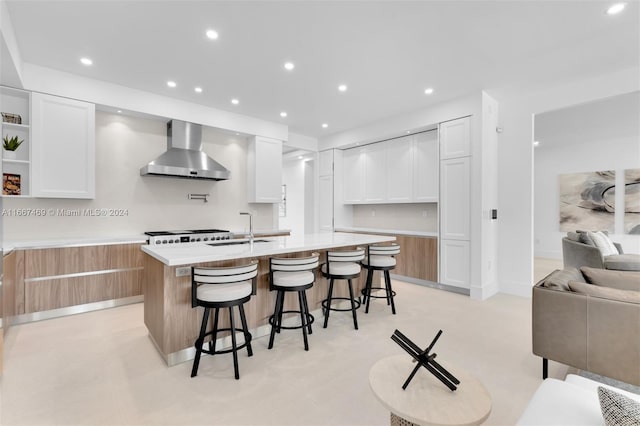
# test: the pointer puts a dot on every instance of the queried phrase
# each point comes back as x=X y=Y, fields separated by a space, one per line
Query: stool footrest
x=310 y=320
x=364 y=293
x=355 y=302
x=244 y=332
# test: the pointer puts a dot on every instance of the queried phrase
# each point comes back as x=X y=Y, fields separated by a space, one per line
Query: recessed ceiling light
x=616 y=8
x=283 y=114
x=119 y=111
x=342 y=88
x=428 y=91
x=300 y=157
x=212 y=34
x=408 y=131
x=325 y=125
x=237 y=134
x=86 y=61
x=289 y=66
x=235 y=101
x=171 y=83
x=536 y=143
x=198 y=89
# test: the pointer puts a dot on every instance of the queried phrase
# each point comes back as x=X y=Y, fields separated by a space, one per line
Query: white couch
x=572 y=402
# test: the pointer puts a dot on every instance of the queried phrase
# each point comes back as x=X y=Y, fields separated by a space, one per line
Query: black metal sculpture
x=424 y=359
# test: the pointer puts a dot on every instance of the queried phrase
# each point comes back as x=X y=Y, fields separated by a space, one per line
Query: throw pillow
x=603 y=242
x=605 y=292
x=622 y=280
x=618 y=409
x=586 y=239
x=574 y=236
x=559 y=279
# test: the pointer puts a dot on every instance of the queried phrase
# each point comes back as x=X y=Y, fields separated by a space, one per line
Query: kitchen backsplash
x=134 y=204
x=406 y=217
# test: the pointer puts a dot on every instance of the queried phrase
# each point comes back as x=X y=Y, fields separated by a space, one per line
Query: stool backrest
x=392 y=249
x=222 y=275
x=294 y=264
x=353 y=255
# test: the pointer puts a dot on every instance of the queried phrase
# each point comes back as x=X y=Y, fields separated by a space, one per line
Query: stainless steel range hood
x=184 y=157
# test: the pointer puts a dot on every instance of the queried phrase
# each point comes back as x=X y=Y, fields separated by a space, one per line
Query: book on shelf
x=10 y=184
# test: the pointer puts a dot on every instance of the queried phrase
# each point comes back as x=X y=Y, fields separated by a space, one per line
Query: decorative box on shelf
x=11 y=184
x=11 y=118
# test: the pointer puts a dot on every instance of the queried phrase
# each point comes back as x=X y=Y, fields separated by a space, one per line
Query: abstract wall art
x=587 y=201
x=632 y=201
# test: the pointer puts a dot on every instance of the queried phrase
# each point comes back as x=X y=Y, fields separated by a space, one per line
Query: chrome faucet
x=250 y=225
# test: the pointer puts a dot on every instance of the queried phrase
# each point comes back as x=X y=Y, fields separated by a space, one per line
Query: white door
x=399 y=166
x=426 y=167
x=353 y=162
x=375 y=173
x=455 y=139
x=455 y=263
x=63 y=147
x=455 y=223
x=325 y=198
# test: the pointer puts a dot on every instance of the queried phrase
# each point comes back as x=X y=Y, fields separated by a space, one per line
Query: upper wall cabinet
x=455 y=138
x=16 y=165
x=63 y=147
x=402 y=170
x=264 y=170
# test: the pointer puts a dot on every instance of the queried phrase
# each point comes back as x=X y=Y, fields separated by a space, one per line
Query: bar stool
x=215 y=288
x=288 y=275
x=380 y=258
x=342 y=265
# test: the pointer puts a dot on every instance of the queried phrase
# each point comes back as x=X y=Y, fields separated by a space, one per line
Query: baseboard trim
x=431 y=284
x=517 y=289
x=484 y=292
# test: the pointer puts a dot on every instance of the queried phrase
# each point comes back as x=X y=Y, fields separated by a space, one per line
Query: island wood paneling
x=174 y=324
x=102 y=272
x=8 y=289
x=19 y=297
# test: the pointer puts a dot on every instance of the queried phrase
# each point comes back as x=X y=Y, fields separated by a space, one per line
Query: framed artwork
x=587 y=201
x=632 y=201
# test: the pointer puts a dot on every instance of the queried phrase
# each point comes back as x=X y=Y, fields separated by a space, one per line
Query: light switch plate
x=183 y=272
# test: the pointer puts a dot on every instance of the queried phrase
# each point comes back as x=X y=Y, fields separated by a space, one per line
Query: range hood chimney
x=184 y=157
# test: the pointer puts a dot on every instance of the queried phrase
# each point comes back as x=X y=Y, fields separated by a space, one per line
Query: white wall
x=123 y=145
x=515 y=164
x=293 y=176
x=601 y=135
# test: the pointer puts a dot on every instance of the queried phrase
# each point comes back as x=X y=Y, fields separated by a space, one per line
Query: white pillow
x=603 y=242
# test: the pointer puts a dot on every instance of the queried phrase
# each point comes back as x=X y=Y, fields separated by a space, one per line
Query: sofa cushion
x=617 y=409
x=559 y=279
x=622 y=280
x=574 y=236
x=623 y=262
x=586 y=239
x=605 y=292
x=603 y=242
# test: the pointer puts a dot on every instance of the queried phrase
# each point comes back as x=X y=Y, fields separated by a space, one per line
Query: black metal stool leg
x=233 y=342
x=303 y=319
x=306 y=310
x=368 y=286
x=353 y=306
x=199 y=342
x=327 y=310
x=214 y=335
x=389 y=291
x=276 y=314
x=245 y=327
x=281 y=311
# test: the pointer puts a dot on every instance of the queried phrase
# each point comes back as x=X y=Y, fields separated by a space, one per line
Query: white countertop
x=192 y=253
x=388 y=231
x=8 y=246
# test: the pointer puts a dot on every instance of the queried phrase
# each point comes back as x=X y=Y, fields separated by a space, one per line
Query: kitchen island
x=173 y=324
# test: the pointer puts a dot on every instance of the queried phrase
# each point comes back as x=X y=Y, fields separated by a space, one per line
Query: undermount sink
x=233 y=243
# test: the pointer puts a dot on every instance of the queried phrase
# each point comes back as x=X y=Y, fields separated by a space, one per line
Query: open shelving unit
x=15 y=101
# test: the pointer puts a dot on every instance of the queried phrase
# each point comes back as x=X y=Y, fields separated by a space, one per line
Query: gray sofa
x=575 y=253
x=589 y=319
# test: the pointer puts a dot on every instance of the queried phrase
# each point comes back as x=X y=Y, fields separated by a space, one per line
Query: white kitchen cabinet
x=326 y=163
x=353 y=175
x=16 y=165
x=325 y=198
x=264 y=170
x=426 y=167
x=375 y=173
x=455 y=140
x=455 y=198
x=399 y=170
x=455 y=261
x=63 y=147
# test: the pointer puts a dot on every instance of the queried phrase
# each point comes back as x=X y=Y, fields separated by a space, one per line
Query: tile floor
x=101 y=368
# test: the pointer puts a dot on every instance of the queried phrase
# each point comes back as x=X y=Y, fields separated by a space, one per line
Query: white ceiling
x=387 y=52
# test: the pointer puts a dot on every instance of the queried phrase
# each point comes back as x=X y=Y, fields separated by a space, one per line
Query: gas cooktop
x=187 y=236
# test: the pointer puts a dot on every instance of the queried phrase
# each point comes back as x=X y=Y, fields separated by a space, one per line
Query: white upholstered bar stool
x=380 y=258
x=289 y=275
x=226 y=287
x=342 y=265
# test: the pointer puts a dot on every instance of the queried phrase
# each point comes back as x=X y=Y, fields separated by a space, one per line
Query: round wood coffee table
x=427 y=401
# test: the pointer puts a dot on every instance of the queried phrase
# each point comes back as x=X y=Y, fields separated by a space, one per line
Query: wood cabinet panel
x=418 y=257
x=70 y=260
x=8 y=307
x=62 y=292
